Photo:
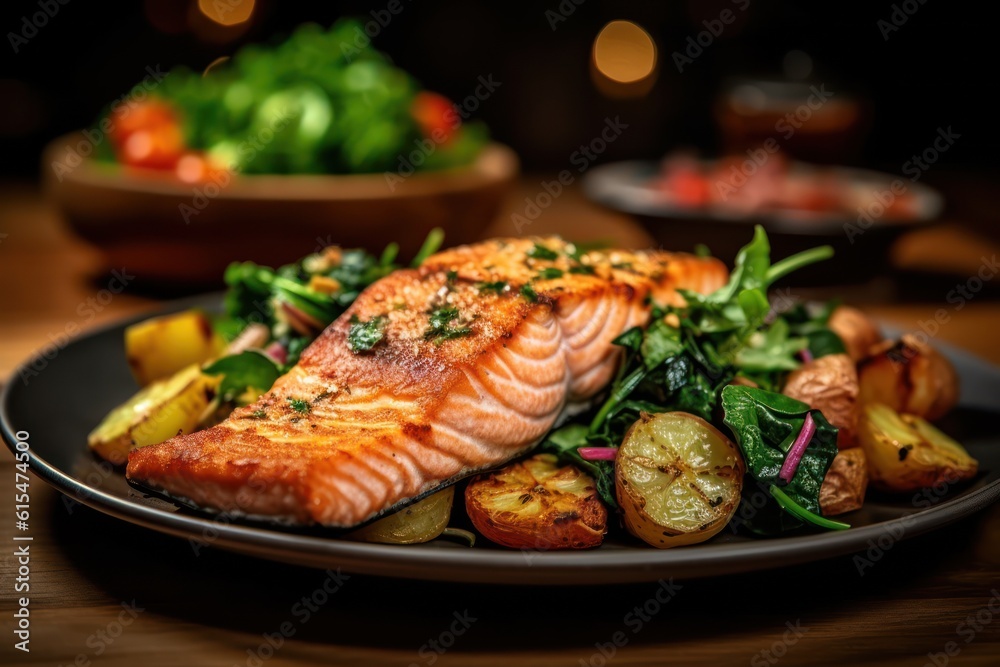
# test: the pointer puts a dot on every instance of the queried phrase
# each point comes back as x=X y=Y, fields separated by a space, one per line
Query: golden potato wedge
x=858 y=332
x=535 y=504
x=158 y=412
x=677 y=479
x=846 y=481
x=422 y=521
x=905 y=453
x=909 y=376
x=829 y=384
x=159 y=347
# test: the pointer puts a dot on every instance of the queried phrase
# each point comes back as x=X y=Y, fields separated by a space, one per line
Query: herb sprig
x=441 y=325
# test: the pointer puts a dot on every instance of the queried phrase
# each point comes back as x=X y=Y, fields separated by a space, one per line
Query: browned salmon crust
x=417 y=411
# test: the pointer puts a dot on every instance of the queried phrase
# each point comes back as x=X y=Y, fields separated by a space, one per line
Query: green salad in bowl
x=318 y=102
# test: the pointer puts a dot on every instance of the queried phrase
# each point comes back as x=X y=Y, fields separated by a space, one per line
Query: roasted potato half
x=856 y=330
x=905 y=453
x=159 y=347
x=909 y=376
x=677 y=479
x=422 y=521
x=158 y=412
x=536 y=504
x=846 y=481
x=829 y=384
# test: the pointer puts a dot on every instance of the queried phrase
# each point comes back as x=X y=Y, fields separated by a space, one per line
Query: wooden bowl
x=167 y=231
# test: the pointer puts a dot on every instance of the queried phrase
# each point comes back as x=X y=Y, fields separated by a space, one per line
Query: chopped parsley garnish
x=497 y=286
x=550 y=273
x=363 y=336
x=529 y=293
x=585 y=269
x=541 y=252
x=299 y=405
x=258 y=414
x=451 y=277
x=440 y=327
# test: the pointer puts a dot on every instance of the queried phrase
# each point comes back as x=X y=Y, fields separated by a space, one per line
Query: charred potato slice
x=157 y=413
x=677 y=479
x=422 y=521
x=909 y=376
x=905 y=453
x=845 y=483
x=535 y=504
x=829 y=384
x=856 y=330
x=159 y=347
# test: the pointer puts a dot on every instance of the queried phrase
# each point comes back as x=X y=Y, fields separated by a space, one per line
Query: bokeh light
x=227 y=12
x=623 y=60
x=624 y=52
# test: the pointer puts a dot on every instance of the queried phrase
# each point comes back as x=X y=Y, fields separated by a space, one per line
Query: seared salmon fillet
x=483 y=349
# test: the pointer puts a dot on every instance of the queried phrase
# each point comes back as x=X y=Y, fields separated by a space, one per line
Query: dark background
x=936 y=70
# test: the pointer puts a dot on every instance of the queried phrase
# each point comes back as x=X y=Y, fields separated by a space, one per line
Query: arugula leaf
x=771 y=350
x=765 y=424
x=749 y=269
x=363 y=336
x=247 y=370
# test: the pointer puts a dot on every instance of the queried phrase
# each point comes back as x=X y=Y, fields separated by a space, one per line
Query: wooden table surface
x=104 y=592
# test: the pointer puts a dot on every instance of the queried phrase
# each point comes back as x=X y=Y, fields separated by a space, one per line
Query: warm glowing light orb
x=624 y=52
x=227 y=12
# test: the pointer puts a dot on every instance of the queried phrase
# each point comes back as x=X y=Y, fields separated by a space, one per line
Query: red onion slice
x=797 y=449
x=598 y=453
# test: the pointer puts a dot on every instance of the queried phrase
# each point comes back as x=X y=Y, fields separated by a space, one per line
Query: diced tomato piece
x=148 y=115
x=157 y=148
x=436 y=116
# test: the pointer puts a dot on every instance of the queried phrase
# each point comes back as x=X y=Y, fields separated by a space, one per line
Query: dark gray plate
x=75 y=388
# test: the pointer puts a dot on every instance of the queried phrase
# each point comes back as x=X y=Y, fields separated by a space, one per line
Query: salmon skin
x=484 y=348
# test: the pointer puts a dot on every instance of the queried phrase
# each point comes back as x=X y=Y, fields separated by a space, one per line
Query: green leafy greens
x=688 y=356
x=295 y=303
x=764 y=425
x=247 y=370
